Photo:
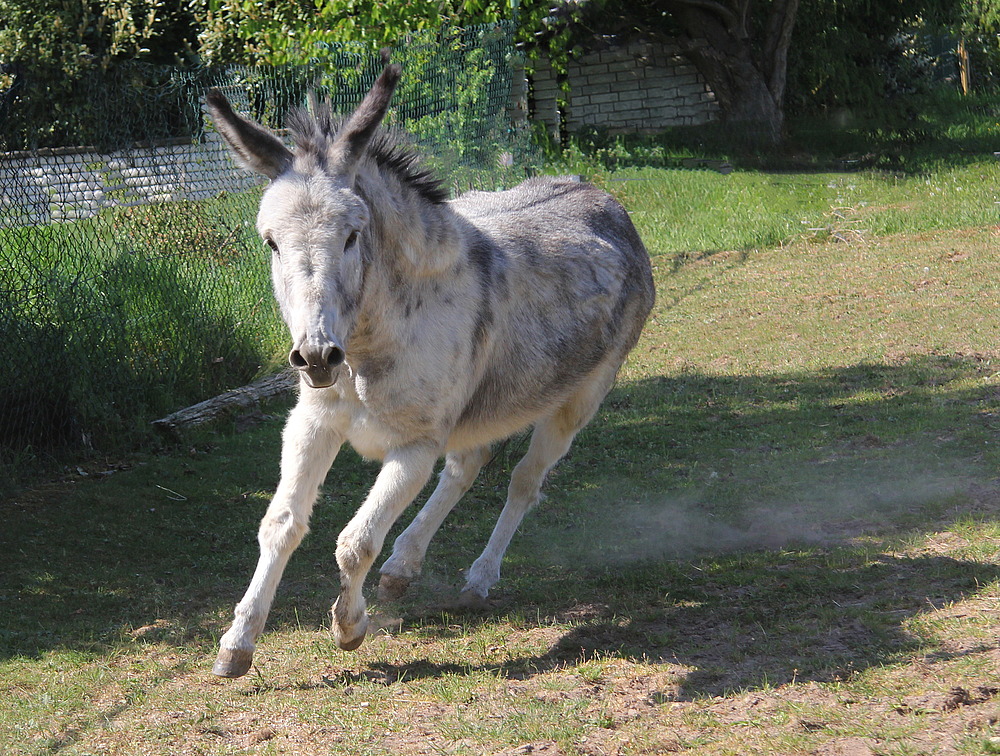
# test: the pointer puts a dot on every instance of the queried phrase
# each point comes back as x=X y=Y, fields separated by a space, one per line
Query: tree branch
x=734 y=23
x=244 y=398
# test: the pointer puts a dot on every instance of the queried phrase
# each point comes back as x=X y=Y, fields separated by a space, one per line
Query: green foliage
x=107 y=107
x=854 y=53
x=448 y=101
x=49 y=49
x=849 y=54
x=979 y=29
x=980 y=17
x=73 y=36
x=920 y=133
x=452 y=100
x=177 y=310
x=247 y=31
x=930 y=131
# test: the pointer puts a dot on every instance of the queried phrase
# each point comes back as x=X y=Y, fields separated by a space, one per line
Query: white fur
x=425 y=329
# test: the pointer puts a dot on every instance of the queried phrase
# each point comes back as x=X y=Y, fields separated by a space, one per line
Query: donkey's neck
x=421 y=237
x=412 y=244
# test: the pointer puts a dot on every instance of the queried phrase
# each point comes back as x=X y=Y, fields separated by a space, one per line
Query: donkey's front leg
x=309 y=447
x=404 y=472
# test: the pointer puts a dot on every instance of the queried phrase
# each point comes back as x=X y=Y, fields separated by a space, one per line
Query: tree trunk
x=750 y=88
x=742 y=92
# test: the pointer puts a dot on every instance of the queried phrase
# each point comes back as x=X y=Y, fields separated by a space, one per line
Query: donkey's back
x=569 y=288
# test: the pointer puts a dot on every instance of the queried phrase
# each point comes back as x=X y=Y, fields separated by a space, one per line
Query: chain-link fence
x=131 y=281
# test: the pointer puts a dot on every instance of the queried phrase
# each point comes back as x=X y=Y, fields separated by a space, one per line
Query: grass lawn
x=780 y=535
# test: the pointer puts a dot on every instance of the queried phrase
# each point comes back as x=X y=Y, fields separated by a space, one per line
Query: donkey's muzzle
x=319 y=362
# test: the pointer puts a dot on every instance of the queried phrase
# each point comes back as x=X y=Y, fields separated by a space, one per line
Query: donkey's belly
x=471 y=436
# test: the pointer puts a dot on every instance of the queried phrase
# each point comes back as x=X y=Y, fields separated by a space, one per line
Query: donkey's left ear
x=353 y=138
x=253 y=146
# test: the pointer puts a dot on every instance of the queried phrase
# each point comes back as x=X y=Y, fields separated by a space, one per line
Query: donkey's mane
x=389 y=149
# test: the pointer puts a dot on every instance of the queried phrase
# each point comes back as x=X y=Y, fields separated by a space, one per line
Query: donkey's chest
x=380 y=419
x=370 y=437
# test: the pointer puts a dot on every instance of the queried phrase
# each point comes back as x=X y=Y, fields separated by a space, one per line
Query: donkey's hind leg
x=457 y=476
x=550 y=440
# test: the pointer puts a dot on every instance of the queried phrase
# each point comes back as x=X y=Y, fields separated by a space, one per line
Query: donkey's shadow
x=742 y=625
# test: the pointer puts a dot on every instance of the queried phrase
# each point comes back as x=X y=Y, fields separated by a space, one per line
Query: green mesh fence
x=131 y=280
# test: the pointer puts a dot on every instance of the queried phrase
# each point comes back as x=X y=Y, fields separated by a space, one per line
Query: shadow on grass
x=745 y=621
x=170 y=543
x=923 y=132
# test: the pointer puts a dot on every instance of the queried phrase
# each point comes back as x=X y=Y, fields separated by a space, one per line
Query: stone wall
x=642 y=86
x=67 y=184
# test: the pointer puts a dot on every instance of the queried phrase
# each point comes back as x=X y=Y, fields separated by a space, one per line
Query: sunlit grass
x=688 y=213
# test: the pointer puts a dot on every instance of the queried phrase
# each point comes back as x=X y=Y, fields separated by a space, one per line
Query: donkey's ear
x=354 y=137
x=253 y=146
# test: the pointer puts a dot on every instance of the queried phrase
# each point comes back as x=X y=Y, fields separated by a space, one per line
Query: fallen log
x=243 y=398
x=721 y=166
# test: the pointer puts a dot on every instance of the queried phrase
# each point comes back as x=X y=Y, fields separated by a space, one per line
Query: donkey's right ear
x=253 y=146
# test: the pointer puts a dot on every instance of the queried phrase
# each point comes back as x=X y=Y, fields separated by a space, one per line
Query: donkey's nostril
x=312 y=358
x=335 y=356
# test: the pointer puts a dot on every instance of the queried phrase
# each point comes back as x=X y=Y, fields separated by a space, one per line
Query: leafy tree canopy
x=293 y=31
x=74 y=35
x=760 y=56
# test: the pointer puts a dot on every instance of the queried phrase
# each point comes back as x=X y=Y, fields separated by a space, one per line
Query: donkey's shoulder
x=540 y=197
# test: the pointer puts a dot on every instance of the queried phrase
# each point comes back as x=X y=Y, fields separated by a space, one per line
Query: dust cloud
x=617 y=524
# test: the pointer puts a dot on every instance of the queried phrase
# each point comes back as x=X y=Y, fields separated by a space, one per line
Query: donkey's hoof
x=392 y=588
x=470 y=599
x=232 y=662
x=355 y=639
x=350 y=645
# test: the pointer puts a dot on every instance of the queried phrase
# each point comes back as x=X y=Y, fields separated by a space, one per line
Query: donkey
x=421 y=328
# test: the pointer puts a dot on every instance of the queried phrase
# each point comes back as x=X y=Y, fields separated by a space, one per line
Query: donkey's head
x=313 y=220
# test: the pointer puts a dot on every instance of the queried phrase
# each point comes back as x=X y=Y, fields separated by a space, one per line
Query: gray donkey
x=422 y=328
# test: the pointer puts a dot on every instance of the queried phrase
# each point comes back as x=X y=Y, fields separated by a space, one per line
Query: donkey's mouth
x=322 y=377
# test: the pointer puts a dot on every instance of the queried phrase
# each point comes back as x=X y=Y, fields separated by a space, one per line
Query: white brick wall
x=642 y=86
x=67 y=184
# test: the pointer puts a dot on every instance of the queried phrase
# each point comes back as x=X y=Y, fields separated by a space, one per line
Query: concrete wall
x=642 y=86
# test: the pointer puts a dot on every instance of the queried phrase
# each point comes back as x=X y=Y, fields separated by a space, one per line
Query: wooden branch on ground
x=243 y=398
x=722 y=166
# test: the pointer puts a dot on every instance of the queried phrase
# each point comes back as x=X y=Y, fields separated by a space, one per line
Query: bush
x=96 y=342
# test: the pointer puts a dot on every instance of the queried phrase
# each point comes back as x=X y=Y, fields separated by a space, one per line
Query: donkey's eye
x=351 y=240
x=272 y=244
